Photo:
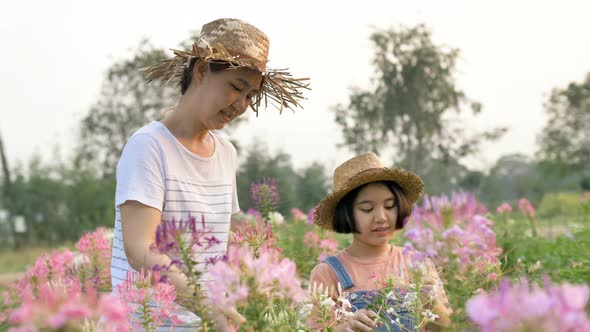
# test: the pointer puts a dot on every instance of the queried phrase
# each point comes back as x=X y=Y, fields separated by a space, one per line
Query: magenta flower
x=181 y=240
x=265 y=196
x=454 y=231
x=265 y=192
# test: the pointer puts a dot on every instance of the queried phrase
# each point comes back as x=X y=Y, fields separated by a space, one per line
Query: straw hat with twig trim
x=361 y=170
x=241 y=45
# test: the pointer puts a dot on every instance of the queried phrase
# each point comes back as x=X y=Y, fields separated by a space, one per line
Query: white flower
x=396 y=321
x=276 y=218
x=429 y=315
x=391 y=295
x=409 y=299
x=345 y=304
x=305 y=309
x=80 y=259
x=327 y=303
x=341 y=313
x=109 y=234
x=391 y=311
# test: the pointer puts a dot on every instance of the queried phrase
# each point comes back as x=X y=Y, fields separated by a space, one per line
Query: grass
x=14 y=261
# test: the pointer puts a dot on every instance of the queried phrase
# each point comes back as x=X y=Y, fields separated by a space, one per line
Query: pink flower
x=311 y=239
x=257 y=236
x=527 y=307
x=113 y=309
x=504 y=207
x=298 y=214
x=526 y=207
x=481 y=311
x=271 y=276
x=61 y=304
x=145 y=293
x=96 y=250
x=329 y=244
x=253 y=212
x=454 y=230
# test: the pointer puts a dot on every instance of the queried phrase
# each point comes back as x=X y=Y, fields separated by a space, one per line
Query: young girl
x=178 y=167
x=371 y=202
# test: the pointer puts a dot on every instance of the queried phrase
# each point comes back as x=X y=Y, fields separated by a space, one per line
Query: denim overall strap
x=341 y=273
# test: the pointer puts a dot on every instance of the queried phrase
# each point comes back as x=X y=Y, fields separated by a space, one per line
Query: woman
x=178 y=167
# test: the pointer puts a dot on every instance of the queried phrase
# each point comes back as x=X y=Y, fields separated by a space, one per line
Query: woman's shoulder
x=145 y=140
x=224 y=144
x=148 y=134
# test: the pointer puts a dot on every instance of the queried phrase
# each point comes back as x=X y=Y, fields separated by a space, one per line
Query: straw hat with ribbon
x=241 y=45
x=361 y=170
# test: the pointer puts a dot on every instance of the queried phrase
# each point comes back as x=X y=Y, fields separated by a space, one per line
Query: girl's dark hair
x=187 y=76
x=343 y=221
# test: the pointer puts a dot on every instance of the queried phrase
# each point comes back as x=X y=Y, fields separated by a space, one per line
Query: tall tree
x=258 y=164
x=513 y=176
x=7 y=193
x=312 y=185
x=565 y=140
x=407 y=111
x=126 y=103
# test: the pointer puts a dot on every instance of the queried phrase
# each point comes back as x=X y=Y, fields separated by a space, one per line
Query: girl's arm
x=440 y=306
x=363 y=320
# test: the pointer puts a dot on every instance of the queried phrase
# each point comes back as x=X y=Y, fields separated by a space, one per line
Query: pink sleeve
x=322 y=275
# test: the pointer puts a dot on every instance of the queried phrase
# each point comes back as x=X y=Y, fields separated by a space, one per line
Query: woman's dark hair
x=343 y=221
x=187 y=76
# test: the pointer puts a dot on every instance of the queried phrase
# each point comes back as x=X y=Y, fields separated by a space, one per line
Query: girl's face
x=375 y=215
x=224 y=95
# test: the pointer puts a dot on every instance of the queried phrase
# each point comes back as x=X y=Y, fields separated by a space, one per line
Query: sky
x=513 y=53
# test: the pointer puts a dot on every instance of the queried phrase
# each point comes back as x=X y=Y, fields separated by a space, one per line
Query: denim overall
x=361 y=299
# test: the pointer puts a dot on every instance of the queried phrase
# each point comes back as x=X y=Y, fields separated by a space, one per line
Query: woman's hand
x=225 y=319
x=363 y=320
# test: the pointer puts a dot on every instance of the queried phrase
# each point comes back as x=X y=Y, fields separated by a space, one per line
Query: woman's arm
x=139 y=223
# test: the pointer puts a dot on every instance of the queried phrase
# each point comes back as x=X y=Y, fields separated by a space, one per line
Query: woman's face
x=224 y=95
x=375 y=215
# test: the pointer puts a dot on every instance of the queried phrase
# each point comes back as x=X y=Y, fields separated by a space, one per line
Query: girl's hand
x=363 y=320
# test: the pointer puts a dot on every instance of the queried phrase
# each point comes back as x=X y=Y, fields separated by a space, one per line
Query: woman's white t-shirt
x=155 y=169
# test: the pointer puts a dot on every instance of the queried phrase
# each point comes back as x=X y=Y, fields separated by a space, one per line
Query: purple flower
x=265 y=194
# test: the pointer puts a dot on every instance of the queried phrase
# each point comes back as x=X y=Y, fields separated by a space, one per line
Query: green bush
x=562 y=204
